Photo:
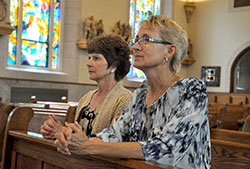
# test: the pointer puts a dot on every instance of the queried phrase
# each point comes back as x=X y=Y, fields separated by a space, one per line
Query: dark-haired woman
x=108 y=63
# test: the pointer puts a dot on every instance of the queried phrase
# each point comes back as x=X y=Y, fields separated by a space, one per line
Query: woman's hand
x=79 y=141
x=68 y=142
x=62 y=139
x=78 y=134
x=62 y=142
x=50 y=127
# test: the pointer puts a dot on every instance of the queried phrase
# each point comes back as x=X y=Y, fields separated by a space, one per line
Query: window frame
x=29 y=68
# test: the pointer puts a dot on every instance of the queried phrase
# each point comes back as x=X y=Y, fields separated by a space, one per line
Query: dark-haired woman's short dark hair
x=116 y=52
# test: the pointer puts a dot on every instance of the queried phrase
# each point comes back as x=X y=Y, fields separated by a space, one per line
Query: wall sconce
x=189 y=9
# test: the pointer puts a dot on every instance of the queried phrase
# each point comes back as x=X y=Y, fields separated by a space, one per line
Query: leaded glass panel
x=140 y=10
x=56 y=26
x=35 y=33
x=36 y=20
x=34 y=53
x=13 y=35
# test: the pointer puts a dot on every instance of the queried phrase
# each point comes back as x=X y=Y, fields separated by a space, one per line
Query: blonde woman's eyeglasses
x=146 y=40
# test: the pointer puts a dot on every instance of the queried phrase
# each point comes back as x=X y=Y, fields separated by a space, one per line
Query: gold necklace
x=151 y=101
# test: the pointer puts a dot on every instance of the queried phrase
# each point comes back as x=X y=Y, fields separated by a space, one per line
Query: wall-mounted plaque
x=210 y=75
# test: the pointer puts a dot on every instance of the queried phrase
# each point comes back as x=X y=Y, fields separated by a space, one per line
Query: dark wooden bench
x=230 y=135
x=229 y=116
x=42 y=110
x=212 y=121
x=29 y=151
x=5 y=110
x=41 y=115
x=229 y=155
x=228 y=98
x=230 y=149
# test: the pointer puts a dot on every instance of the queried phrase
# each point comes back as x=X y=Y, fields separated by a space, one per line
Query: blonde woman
x=166 y=120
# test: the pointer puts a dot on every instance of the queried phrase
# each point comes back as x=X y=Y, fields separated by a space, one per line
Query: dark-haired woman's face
x=97 y=67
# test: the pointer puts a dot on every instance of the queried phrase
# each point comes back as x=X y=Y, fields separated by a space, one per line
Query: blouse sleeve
x=188 y=122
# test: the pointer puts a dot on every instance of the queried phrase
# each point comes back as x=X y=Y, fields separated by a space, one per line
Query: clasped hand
x=70 y=139
x=50 y=127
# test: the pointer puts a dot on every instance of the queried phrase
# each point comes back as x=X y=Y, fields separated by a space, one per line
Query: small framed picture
x=210 y=75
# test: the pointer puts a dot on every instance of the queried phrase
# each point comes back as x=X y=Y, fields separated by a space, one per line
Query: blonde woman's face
x=148 y=55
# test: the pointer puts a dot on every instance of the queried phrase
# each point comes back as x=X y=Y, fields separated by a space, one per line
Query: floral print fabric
x=176 y=130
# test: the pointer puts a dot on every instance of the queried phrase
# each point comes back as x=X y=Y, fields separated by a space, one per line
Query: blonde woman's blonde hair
x=169 y=31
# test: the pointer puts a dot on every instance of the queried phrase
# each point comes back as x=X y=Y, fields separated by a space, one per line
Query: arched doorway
x=240 y=72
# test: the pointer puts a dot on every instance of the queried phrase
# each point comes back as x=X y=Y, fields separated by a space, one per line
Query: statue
x=99 y=28
x=122 y=30
x=92 y=28
x=127 y=36
x=2 y=10
x=89 y=28
x=117 y=28
x=190 y=49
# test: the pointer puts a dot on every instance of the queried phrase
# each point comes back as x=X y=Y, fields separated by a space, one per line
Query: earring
x=166 y=59
x=112 y=71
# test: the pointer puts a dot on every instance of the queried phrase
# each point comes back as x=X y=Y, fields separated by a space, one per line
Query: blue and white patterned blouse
x=176 y=131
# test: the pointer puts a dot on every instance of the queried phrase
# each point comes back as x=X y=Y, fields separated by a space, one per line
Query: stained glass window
x=140 y=10
x=35 y=41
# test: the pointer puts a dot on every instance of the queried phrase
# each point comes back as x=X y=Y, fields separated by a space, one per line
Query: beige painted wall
x=180 y=17
x=110 y=11
x=218 y=33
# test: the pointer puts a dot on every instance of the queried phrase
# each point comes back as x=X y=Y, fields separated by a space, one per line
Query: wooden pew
x=211 y=98
x=33 y=99
x=213 y=114
x=222 y=99
x=213 y=109
x=230 y=149
x=5 y=110
x=230 y=135
x=229 y=155
x=47 y=105
x=41 y=115
x=238 y=99
x=34 y=105
x=18 y=119
x=229 y=115
x=228 y=98
x=42 y=110
x=212 y=121
x=25 y=150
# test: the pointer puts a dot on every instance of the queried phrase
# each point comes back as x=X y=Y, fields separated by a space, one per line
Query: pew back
x=41 y=115
x=228 y=98
x=229 y=115
x=5 y=110
x=230 y=135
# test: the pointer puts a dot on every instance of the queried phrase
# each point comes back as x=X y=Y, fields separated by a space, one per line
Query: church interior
x=219 y=55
